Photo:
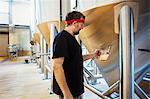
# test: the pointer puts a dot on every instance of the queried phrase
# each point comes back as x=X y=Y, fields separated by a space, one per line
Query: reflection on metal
x=133 y=24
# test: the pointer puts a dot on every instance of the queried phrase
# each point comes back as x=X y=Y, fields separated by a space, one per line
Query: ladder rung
x=146 y=79
x=147 y=74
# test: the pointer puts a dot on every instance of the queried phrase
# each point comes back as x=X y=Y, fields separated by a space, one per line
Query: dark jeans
x=79 y=97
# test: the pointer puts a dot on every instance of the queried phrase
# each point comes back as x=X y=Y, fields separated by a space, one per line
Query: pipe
x=60 y=14
x=111 y=88
x=95 y=91
x=126 y=54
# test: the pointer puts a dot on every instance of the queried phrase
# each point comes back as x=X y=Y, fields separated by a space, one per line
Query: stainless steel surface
x=126 y=51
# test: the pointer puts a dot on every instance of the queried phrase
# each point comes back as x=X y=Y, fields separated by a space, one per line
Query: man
x=68 y=59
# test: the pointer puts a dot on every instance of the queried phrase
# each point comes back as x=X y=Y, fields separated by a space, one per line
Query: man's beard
x=76 y=33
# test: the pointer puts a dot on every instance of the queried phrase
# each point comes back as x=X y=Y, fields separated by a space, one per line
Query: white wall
x=87 y=4
x=21 y=13
x=50 y=9
x=4 y=19
x=66 y=7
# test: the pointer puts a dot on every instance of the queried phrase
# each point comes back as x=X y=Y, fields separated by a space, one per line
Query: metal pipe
x=126 y=54
x=132 y=52
x=42 y=51
x=52 y=35
x=95 y=91
x=76 y=5
x=111 y=88
x=60 y=14
x=60 y=10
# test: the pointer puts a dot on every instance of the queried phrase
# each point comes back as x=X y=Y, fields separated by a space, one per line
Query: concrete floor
x=23 y=81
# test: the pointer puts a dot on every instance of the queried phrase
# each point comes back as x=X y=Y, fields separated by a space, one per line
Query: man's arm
x=60 y=77
x=95 y=54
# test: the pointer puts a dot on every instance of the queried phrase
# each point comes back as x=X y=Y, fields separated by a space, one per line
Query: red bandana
x=77 y=20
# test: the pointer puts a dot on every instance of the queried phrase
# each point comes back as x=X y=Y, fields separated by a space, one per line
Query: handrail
x=140 y=92
x=48 y=68
x=88 y=72
x=95 y=91
x=111 y=88
x=141 y=72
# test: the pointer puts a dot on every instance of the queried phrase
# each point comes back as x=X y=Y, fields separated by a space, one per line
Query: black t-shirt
x=65 y=45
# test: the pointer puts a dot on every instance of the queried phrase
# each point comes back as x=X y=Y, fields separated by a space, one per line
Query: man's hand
x=97 y=53
x=93 y=55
